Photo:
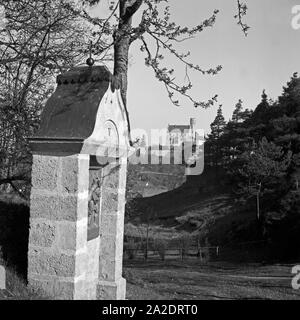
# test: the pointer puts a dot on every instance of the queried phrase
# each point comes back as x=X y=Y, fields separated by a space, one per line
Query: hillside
x=141 y=178
x=211 y=215
x=185 y=208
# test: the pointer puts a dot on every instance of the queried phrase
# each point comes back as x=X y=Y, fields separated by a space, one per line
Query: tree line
x=257 y=156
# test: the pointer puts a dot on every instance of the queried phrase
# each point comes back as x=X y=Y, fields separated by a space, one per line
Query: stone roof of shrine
x=70 y=113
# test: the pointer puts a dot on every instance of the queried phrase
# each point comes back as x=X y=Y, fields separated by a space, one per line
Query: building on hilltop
x=178 y=133
x=177 y=144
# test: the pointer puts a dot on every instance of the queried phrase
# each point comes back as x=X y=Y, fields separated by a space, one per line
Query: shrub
x=130 y=248
x=185 y=243
x=160 y=246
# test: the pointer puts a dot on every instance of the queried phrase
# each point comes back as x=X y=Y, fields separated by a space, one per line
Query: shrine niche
x=78 y=189
x=94 y=203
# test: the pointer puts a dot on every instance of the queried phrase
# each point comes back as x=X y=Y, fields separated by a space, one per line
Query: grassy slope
x=200 y=210
x=14 y=230
x=14 y=227
x=203 y=209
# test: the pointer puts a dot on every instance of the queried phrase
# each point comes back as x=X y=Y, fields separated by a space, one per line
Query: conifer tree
x=237 y=113
x=218 y=125
x=264 y=168
x=287 y=127
x=214 y=138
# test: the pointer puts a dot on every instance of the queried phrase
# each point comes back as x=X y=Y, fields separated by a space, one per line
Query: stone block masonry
x=58 y=224
x=2 y=278
x=2 y=272
x=111 y=285
x=61 y=260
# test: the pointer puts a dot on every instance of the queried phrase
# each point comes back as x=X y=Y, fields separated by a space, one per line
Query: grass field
x=178 y=280
x=189 y=280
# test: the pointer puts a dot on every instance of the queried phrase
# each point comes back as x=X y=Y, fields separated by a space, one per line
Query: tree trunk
x=257 y=206
x=121 y=51
x=122 y=41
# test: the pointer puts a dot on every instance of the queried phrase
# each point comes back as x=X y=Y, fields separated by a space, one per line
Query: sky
x=265 y=59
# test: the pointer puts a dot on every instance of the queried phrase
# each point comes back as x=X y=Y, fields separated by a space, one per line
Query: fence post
x=147 y=237
x=200 y=252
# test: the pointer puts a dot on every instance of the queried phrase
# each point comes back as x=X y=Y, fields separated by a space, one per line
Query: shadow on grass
x=14 y=231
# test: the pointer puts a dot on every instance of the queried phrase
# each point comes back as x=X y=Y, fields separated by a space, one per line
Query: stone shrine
x=78 y=189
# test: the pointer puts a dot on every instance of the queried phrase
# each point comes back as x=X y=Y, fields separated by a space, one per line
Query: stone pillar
x=2 y=278
x=57 y=254
x=111 y=284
